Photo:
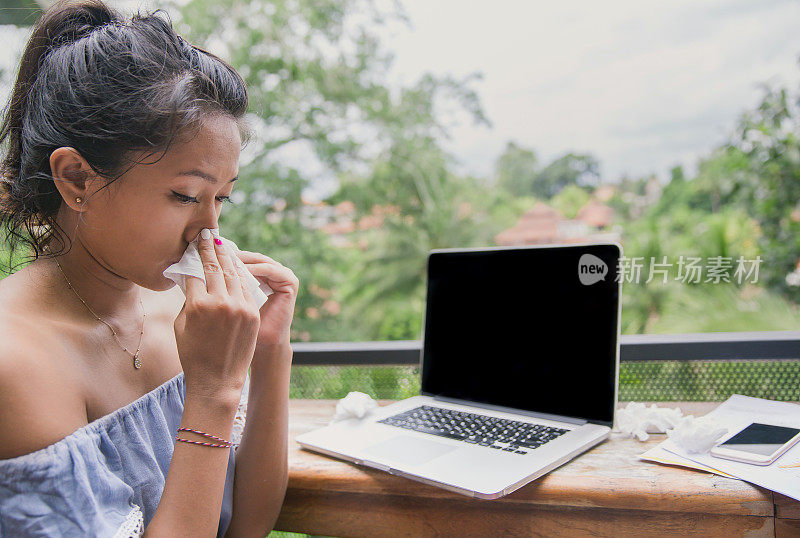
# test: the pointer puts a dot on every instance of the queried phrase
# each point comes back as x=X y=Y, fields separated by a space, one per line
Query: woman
x=123 y=142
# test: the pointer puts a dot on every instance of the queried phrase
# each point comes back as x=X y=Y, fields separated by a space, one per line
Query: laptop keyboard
x=492 y=432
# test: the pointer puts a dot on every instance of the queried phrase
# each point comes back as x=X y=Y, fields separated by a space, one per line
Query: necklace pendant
x=137 y=363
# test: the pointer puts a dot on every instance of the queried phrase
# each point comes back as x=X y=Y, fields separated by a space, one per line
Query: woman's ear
x=71 y=174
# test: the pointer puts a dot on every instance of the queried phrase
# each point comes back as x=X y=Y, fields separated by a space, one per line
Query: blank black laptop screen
x=530 y=328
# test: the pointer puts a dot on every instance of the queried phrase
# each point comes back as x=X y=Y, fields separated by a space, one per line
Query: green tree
x=570 y=169
x=516 y=169
x=770 y=183
x=570 y=200
x=677 y=175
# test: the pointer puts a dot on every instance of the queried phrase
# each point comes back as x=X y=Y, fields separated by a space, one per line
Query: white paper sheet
x=735 y=414
x=659 y=455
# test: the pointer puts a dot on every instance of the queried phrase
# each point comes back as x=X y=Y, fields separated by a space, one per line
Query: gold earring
x=78 y=199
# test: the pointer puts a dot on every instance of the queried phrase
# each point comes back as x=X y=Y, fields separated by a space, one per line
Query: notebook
x=519 y=366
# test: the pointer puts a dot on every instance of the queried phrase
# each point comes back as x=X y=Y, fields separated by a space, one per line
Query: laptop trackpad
x=409 y=450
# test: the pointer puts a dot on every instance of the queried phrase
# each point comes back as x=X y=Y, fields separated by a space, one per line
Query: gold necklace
x=137 y=363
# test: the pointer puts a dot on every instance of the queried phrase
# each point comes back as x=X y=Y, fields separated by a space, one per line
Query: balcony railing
x=766 y=345
x=663 y=367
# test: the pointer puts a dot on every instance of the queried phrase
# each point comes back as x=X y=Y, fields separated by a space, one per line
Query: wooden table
x=606 y=491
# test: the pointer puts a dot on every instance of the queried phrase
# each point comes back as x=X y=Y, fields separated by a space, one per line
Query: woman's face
x=143 y=222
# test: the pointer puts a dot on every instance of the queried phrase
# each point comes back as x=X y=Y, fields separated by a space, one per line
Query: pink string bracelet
x=204 y=444
x=203 y=433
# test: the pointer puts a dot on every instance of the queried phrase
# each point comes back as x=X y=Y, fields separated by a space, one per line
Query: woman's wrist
x=211 y=415
x=217 y=400
x=267 y=358
x=273 y=349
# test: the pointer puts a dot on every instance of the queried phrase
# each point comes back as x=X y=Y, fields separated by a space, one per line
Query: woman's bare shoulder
x=42 y=395
x=38 y=404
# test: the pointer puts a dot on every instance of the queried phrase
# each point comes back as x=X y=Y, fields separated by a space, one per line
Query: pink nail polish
x=217 y=241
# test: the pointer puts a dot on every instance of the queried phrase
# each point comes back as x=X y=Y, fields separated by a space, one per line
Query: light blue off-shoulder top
x=106 y=478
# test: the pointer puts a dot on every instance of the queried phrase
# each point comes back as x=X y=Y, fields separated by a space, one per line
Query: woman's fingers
x=243 y=272
x=254 y=257
x=279 y=278
x=194 y=286
x=215 y=281
x=229 y=271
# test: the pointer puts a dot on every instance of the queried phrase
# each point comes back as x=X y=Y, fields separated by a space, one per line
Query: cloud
x=641 y=85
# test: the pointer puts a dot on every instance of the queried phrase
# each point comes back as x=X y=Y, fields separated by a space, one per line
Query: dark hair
x=109 y=88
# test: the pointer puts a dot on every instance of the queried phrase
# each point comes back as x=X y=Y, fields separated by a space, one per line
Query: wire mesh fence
x=711 y=380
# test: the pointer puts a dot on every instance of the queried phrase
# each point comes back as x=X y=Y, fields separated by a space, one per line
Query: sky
x=643 y=86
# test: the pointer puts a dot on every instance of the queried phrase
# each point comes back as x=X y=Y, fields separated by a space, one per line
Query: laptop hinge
x=546 y=416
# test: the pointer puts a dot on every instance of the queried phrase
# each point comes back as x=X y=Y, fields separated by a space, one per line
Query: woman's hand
x=216 y=329
x=278 y=311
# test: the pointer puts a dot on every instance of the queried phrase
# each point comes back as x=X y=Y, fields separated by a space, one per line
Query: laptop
x=519 y=365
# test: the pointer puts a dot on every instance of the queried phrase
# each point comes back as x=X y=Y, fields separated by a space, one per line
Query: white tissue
x=696 y=435
x=191 y=264
x=637 y=420
x=354 y=405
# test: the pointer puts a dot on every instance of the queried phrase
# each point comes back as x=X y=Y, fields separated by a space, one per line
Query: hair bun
x=70 y=21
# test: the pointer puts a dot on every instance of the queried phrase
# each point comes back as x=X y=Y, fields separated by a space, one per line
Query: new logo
x=591 y=269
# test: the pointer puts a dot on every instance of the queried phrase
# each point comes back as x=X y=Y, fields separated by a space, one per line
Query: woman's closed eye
x=186 y=200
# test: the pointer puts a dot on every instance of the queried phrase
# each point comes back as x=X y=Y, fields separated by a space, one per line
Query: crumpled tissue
x=354 y=405
x=638 y=420
x=190 y=264
x=696 y=435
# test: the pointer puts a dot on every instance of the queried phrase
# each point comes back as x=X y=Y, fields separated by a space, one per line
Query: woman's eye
x=183 y=199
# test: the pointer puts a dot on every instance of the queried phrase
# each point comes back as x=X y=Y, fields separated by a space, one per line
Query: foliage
x=570 y=169
x=19 y=12
x=516 y=169
x=708 y=380
x=570 y=200
x=708 y=309
x=768 y=138
x=7 y=261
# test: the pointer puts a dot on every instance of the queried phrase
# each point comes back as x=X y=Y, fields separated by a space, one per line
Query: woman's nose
x=209 y=219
